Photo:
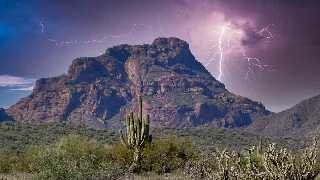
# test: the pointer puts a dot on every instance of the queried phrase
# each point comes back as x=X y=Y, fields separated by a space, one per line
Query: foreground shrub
x=9 y=161
x=73 y=157
x=272 y=163
x=122 y=155
x=166 y=155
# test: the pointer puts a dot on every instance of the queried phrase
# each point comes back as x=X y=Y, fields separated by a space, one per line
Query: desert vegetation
x=271 y=162
x=79 y=153
x=78 y=157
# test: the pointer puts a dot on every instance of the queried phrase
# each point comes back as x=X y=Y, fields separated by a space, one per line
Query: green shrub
x=9 y=161
x=31 y=157
x=122 y=155
x=166 y=155
x=73 y=157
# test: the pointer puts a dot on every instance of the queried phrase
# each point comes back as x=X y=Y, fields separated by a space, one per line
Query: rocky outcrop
x=178 y=91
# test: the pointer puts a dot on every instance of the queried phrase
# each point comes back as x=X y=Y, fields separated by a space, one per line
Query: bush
x=272 y=163
x=73 y=157
x=122 y=155
x=166 y=155
x=9 y=161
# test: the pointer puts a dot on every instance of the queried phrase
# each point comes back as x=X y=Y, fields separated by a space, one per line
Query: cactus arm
x=132 y=129
x=147 y=126
x=140 y=117
x=142 y=142
x=138 y=131
x=143 y=129
x=135 y=131
x=128 y=129
x=123 y=141
x=140 y=103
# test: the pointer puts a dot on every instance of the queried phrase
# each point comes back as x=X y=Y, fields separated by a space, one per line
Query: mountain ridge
x=301 y=120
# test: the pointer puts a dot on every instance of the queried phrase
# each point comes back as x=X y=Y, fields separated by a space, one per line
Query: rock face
x=4 y=116
x=302 y=120
x=178 y=91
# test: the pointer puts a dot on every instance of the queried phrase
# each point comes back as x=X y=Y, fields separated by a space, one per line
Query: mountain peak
x=171 y=42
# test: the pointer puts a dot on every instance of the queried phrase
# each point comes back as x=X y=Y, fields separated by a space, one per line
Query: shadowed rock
x=4 y=116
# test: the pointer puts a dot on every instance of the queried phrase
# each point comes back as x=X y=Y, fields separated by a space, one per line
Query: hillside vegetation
x=18 y=136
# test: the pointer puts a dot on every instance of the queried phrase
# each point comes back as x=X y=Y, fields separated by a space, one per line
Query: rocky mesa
x=178 y=91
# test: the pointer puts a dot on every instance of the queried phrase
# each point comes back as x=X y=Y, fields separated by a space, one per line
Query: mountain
x=178 y=91
x=302 y=120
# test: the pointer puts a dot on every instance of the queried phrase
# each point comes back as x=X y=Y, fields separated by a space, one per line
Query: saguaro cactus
x=137 y=135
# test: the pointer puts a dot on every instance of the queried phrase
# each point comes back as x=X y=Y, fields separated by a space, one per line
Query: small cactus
x=137 y=135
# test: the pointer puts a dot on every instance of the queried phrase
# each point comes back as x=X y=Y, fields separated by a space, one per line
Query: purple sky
x=270 y=48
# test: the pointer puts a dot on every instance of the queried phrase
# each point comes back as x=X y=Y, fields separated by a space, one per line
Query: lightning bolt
x=221 y=49
x=266 y=33
x=253 y=63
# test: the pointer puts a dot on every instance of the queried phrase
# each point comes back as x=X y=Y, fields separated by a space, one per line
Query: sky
x=267 y=50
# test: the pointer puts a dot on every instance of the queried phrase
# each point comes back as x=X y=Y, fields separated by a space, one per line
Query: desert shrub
x=272 y=163
x=121 y=155
x=73 y=157
x=166 y=155
x=9 y=161
x=283 y=164
x=30 y=158
x=12 y=161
